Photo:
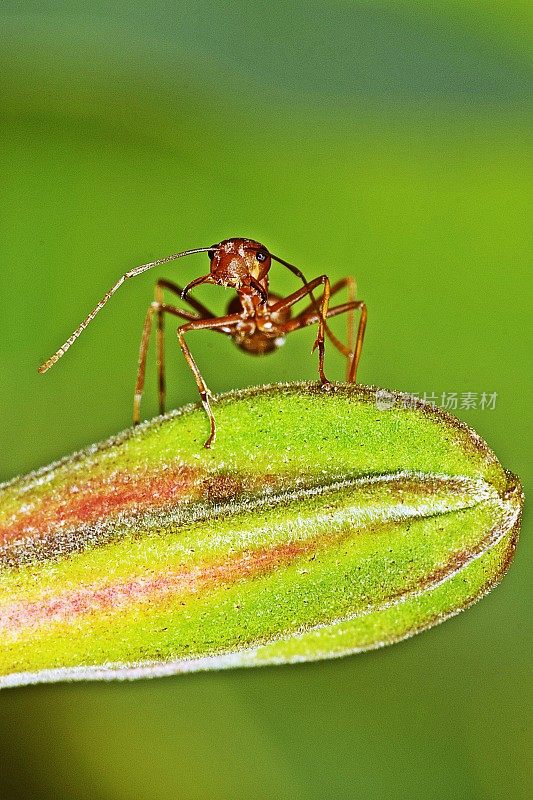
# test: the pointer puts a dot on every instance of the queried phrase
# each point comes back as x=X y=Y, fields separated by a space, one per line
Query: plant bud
x=320 y=524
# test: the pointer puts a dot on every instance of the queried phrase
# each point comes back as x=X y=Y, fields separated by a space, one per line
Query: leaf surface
x=320 y=524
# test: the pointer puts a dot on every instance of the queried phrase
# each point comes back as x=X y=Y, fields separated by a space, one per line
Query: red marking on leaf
x=96 y=499
x=117 y=597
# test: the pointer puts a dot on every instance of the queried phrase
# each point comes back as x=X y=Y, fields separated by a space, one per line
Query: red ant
x=257 y=320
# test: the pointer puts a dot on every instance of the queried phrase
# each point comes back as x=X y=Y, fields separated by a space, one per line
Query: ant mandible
x=257 y=320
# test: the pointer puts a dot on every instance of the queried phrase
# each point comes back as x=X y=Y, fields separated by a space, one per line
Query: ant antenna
x=291 y=267
x=299 y=274
x=89 y=318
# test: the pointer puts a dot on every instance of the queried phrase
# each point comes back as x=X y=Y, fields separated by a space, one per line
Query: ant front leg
x=201 y=313
x=351 y=352
x=159 y=308
x=216 y=323
x=305 y=291
x=310 y=317
x=345 y=349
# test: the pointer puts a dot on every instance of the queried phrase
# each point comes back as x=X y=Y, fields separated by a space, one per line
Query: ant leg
x=319 y=341
x=350 y=307
x=352 y=371
x=350 y=284
x=159 y=308
x=215 y=323
x=202 y=312
x=351 y=292
x=311 y=318
x=346 y=350
x=160 y=349
x=293 y=298
x=314 y=303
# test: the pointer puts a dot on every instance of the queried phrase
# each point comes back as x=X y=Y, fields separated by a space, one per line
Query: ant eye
x=261 y=256
x=211 y=254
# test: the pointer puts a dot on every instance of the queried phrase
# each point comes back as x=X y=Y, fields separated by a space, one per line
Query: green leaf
x=320 y=524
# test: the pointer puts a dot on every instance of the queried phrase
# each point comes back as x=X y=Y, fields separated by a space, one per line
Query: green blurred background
x=385 y=140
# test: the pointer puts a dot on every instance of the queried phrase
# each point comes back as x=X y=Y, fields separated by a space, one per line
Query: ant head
x=235 y=261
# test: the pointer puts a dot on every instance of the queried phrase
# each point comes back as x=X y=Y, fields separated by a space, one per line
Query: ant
x=257 y=320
